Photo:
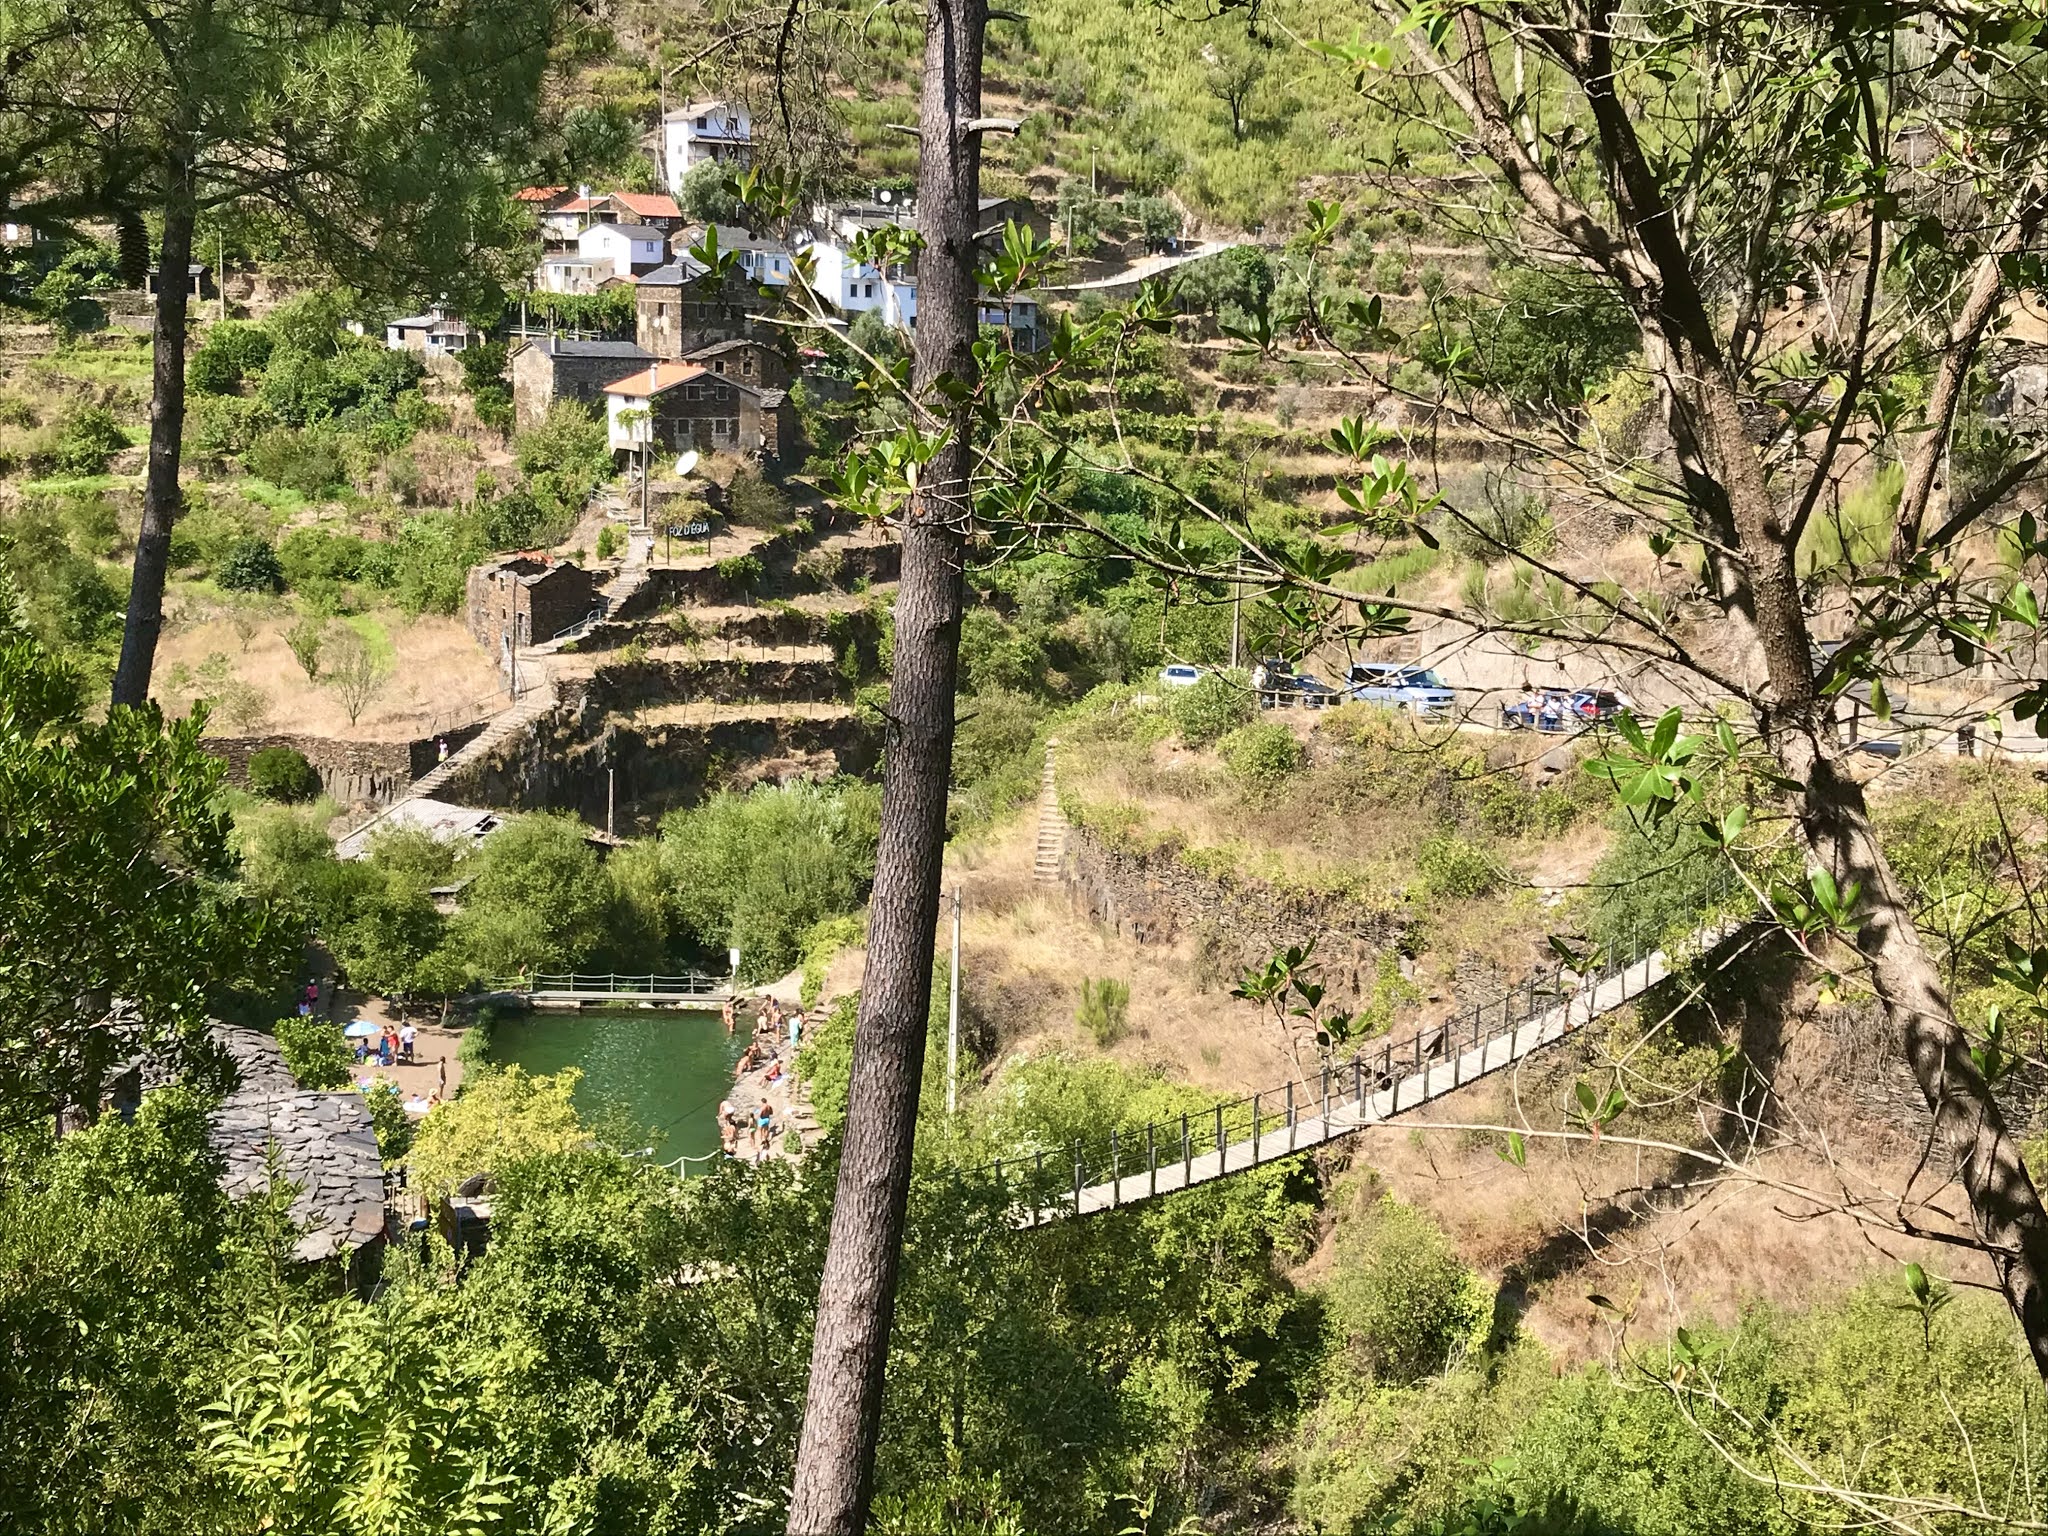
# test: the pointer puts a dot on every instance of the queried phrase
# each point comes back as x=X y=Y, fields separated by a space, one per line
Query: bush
x=1400 y=1301
x=283 y=773
x=1260 y=757
x=316 y=1051
x=308 y=462
x=704 y=197
x=1213 y=707
x=231 y=353
x=741 y=572
x=755 y=502
x=564 y=458
x=315 y=556
x=86 y=440
x=250 y=565
x=1453 y=868
x=393 y=1124
x=1105 y=1009
x=759 y=871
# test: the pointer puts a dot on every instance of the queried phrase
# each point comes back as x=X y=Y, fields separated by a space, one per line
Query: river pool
x=651 y=1076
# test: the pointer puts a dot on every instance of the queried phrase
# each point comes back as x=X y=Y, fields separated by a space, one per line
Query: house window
x=747 y=364
x=722 y=393
x=693 y=391
x=871 y=291
x=724 y=430
x=702 y=122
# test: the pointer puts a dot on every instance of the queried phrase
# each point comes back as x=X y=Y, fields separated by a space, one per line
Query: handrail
x=594 y=617
x=688 y=984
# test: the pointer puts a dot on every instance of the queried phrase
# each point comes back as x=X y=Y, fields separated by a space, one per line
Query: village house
x=526 y=599
x=765 y=262
x=437 y=333
x=550 y=368
x=631 y=249
x=748 y=359
x=671 y=407
x=853 y=287
x=704 y=130
x=675 y=311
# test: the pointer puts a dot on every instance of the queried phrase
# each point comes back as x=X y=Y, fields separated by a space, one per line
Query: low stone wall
x=629 y=685
x=560 y=763
x=1234 y=923
x=351 y=772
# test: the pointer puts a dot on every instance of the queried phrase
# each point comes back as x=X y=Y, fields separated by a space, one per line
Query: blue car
x=1401 y=685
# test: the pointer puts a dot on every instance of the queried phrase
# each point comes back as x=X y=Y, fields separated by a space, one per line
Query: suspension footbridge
x=1371 y=1088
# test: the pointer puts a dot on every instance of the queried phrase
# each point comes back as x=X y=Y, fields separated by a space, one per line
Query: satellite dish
x=887 y=196
x=686 y=463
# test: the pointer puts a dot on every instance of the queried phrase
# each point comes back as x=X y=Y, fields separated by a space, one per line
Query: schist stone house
x=675 y=312
x=748 y=359
x=550 y=368
x=526 y=599
x=673 y=406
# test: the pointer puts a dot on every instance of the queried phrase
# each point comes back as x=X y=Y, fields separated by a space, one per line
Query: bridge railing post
x=1077 y=1178
x=1187 y=1154
x=1037 y=1186
x=1358 y=1083
x=1290 y=1114
x=1151 y=1162
x=1115 y=1183
x=1255 y=1130
x=1220 y=1169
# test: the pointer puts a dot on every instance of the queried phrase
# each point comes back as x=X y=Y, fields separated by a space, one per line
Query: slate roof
x=563 y=346
x=642 y=232
x=325 y=1144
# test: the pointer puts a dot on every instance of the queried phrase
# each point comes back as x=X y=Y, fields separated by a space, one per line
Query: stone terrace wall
x=1154 y=898
x=352 y=772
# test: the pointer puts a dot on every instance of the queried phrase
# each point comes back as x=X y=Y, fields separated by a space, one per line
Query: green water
x=651 y=1076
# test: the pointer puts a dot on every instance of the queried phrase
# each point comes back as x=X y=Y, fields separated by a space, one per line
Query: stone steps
x=1052 y=827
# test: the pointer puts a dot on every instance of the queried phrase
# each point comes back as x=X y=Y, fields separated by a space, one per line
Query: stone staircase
x=1052 y=827
x=514 y=718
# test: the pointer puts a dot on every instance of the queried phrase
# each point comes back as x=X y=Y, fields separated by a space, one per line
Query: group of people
x=391 y=1046
x=750 y=1133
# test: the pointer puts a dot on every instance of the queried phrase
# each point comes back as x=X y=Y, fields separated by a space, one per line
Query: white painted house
x=629 y=249
x=854 y=287
x=763 y=261
x=437 y=333
x=704 y=130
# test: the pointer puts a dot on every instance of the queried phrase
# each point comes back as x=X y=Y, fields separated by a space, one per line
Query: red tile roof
x=538 y=194
x=654 y=380
x=650 y=205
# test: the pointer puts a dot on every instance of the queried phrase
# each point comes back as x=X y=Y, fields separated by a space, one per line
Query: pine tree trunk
x=856 y=1300
x=161 y=499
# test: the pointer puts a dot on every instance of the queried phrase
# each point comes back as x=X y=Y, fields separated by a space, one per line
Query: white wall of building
x=704 y=130
x=623 y=249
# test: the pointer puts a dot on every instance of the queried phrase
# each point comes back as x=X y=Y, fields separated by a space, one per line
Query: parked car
x=1403 y=686
x=1563 y=709
x=1540 y=709
x=1279 y=685
x=1180 y=675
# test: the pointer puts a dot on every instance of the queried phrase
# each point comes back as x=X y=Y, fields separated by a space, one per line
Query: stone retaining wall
x=1234 y=923
x=351 y=772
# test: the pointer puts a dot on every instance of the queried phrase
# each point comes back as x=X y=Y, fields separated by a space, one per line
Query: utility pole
x=953 y=1015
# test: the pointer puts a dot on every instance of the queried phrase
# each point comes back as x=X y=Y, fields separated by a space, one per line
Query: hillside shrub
x=232 y=353
x=741 y=572
x=1455 y=868
x=316 y=1052
x=308 y=462
x=564 y=457
x=1215 y=706
x=86 y=439
x=1105 y=1010
x=283 y=774
x=754 y=501
x=312 y=556
x=1400 y=1301
x=504 y=1116
x=250 y=565
x=1260 y=757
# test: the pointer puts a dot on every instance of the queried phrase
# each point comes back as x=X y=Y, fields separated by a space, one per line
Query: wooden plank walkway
x=1359 y=1096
